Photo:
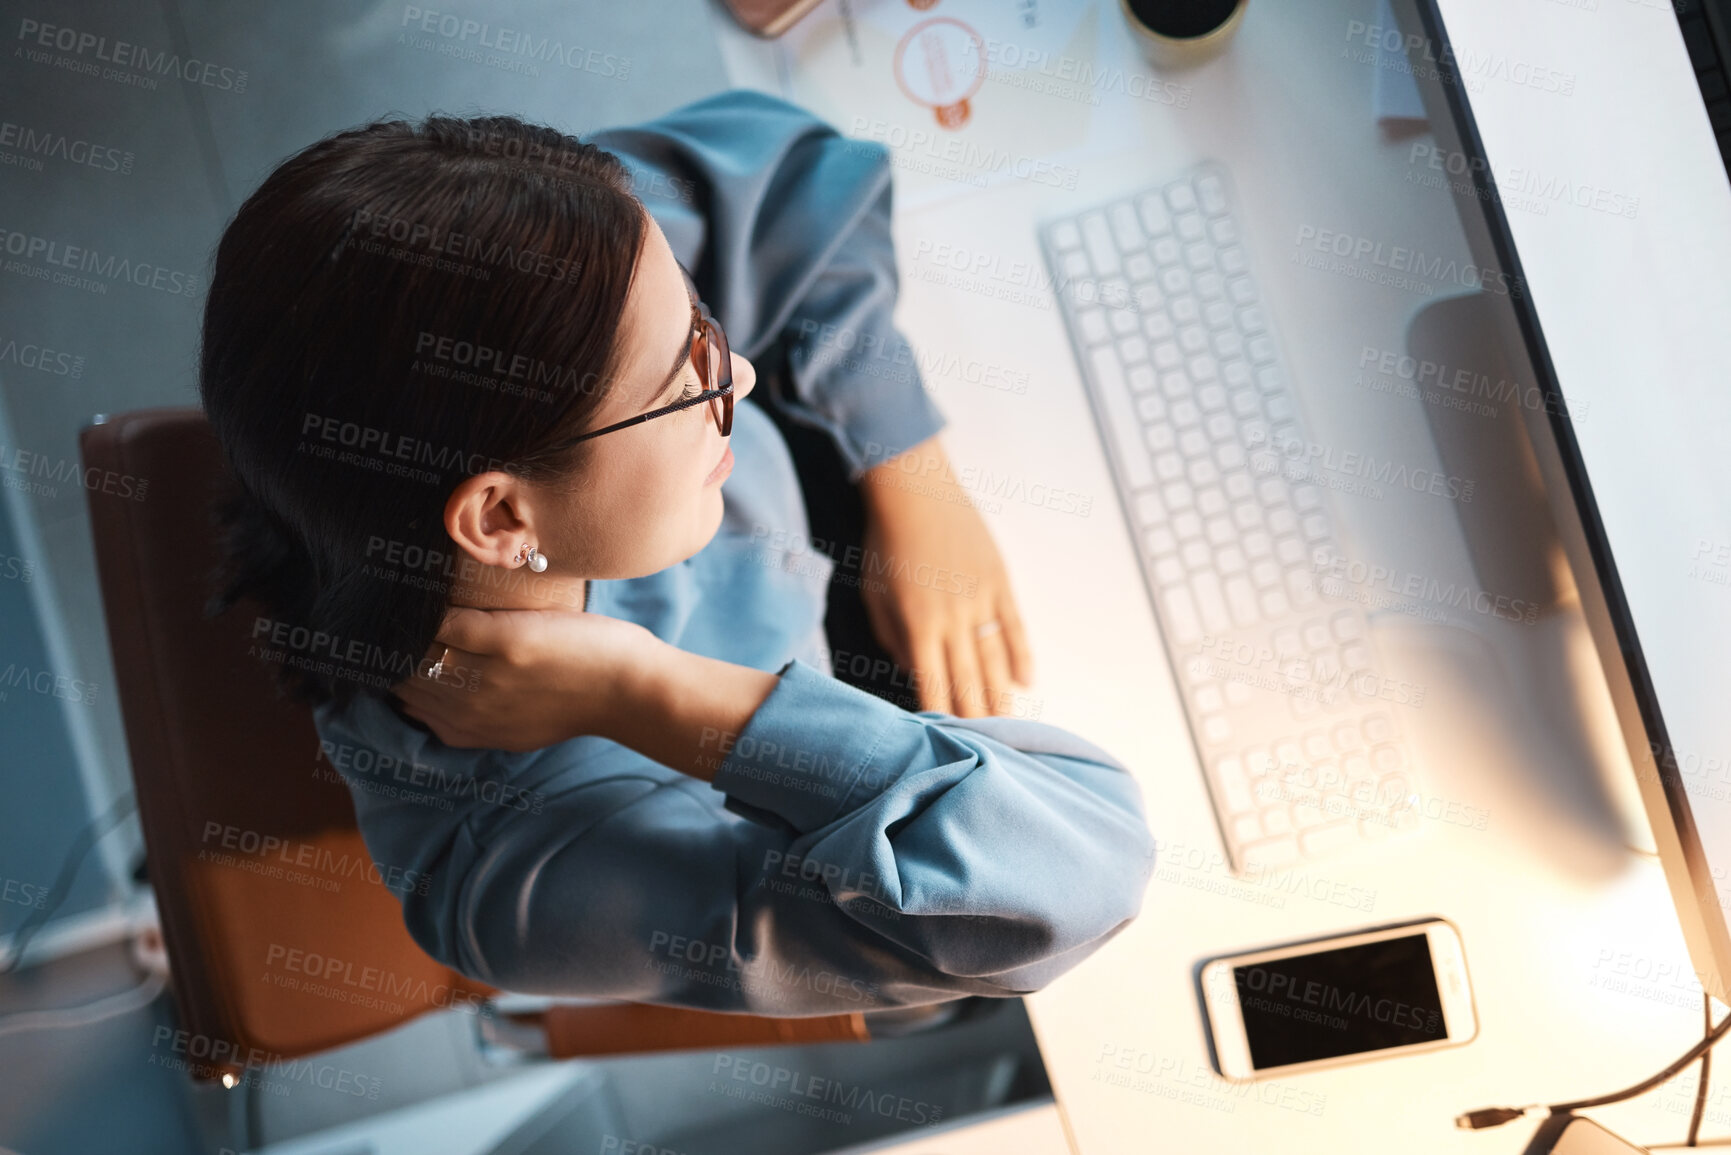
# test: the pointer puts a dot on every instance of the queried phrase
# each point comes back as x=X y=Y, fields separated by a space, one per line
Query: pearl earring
x=537 y=560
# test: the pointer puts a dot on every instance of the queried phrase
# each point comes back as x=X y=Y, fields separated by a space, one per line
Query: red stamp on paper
x=940 y=63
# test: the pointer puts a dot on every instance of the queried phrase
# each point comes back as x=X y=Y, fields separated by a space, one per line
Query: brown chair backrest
x=282 y=937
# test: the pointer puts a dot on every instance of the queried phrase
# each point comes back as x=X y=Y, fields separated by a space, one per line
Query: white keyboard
x=1296 y=725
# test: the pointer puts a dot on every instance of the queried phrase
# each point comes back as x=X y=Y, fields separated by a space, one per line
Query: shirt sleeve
x=867 y=858
x=785 y=226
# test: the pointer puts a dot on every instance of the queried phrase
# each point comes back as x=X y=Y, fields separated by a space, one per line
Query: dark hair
x=395 y=308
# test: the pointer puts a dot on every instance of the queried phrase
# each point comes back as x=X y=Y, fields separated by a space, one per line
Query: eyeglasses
x=714 y=369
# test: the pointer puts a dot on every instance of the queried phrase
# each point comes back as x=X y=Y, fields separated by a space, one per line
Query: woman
x=477 y=411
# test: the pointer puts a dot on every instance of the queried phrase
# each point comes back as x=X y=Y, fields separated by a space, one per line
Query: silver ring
x=438 y=667
x=987 y=629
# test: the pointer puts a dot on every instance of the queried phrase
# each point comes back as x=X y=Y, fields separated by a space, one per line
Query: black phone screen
x=1340 y=1002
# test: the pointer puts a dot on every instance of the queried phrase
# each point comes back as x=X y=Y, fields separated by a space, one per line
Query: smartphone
x=1395 y=990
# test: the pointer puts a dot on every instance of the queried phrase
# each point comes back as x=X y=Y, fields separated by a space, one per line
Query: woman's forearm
x=686 y=711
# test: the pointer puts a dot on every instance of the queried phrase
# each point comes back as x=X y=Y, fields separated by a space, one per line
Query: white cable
x=108 y=1007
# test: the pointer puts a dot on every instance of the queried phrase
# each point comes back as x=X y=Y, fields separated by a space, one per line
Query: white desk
x=1580 y=973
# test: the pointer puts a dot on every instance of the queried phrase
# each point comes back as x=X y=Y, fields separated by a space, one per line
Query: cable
x=69 y=867
x=1706 y=1070
x=106 y=1007
x=1497 y=1116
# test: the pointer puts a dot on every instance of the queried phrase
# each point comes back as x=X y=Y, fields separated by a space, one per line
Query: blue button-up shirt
x=848 y=855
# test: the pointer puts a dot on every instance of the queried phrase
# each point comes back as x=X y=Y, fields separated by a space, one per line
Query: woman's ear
x=487 y=515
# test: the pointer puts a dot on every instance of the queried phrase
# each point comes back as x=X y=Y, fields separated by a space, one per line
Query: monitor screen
x=1617 y=202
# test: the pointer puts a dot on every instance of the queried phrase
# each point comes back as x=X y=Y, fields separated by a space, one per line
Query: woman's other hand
x=524 y=679
x=936 y=590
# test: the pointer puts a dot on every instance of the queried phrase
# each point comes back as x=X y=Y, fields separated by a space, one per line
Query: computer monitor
x=1592 y=178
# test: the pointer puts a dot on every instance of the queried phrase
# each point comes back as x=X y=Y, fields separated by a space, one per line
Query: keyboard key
x=1232 y=260
x=1224 y=231
x=1228 y=346
x=1236 y=375
x=1218 y=314
x=1109 y=384
x=1247 y=515
x=1246 y=828
x=1289 y=551
x=1242 y=599
x=1377 y=728
x=1315 y=527
x=1154 y=216
x=1257 y=544
x=1265 y=574
x=1066 y=236
x=1160 y=541
x=1276 y=821
x=1186 y=525
x=1210 y=286
x=1200 y=257
x=1307 y=497
x=1196 y=554
x=1126 y=228
x=1387 y=759
x=1178 y=496
x=1347 y=626
x=1210 y=501
x=1203 y=367
x=1093 y=325
x=1205 y=586
x=1281 y=521
x=1213 y=194
x=1141 y=378
x=1139 y=267
x=1148 y=507
x=1185 y=414
x=1230 y=455
x=1221 y=429
x=1188 y=226
x=1250 y=320
x=1260 y=349
x=1180 y=197
x=1192 y=339
x=1234 y=784
x=1167 y=356
x=1157 y=326
x=1166 y=251
x=1160 y=437
x=1098 y=238
x=1133 y=351
x=1275 y=605
x=1168 y=571
x=1280 y=407
x=1241 y=290
x=1185 y=310
x=1076 y=266
x=1301 y=589
x=1216 y=729
x=1211 y=396
x=1181 y=615
x=1230 y=560
x=1220 y=531
x=1175 y=280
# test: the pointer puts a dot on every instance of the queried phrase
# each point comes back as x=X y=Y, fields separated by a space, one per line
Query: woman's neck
x=497 y=588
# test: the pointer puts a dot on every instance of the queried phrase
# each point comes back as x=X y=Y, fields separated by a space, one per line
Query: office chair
x=279 y=943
